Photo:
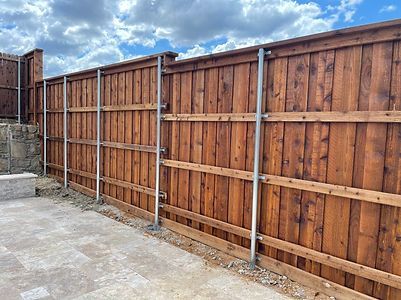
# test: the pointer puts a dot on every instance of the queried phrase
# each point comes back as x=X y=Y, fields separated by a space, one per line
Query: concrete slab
x=55 y=251
x=16 y=186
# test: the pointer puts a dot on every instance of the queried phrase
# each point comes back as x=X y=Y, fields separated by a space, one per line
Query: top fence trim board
x=11 y=57
x=115 y=65
x=33 y=51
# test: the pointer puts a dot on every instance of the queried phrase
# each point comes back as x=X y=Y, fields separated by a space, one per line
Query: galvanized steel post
x=158 y=147
x=65 y=133
x=256 y=178
x=44 y=128
x=99 y=74
x=19 y=90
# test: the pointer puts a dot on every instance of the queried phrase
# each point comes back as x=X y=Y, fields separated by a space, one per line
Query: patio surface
x=57 y=251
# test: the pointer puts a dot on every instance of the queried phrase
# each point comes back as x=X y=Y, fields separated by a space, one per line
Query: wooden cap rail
x=340 y=117
x=300 y=184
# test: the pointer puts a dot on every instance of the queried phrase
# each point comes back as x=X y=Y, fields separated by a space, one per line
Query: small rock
x=230 y=265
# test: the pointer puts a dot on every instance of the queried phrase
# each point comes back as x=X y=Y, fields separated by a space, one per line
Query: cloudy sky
x=87 y=33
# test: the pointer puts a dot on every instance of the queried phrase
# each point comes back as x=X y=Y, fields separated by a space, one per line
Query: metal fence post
x=158 y=147
x=99 y=74
x=65 y=133
x=256 y=178
x=19 y=91
x=44 y=127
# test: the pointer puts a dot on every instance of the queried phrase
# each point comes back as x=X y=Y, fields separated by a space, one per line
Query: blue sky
x=78 y=34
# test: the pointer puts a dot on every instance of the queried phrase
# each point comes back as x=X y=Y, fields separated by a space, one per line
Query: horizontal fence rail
x=331 y=116
x=176 y=142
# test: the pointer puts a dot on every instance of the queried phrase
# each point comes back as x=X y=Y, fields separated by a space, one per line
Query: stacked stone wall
x=19 y=149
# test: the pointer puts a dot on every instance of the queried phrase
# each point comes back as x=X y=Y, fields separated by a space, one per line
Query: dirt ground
x=50 y=188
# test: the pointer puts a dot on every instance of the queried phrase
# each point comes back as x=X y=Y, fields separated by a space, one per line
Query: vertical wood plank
x=152 y=136
x=184 y=144
x=51 y=127
x=346 y=80
x=389 y=245
x=84 y=129
x=293 y=152
x=144 y=133
x=113 y=133
x=273 y=150
x=250 y=146
x=238 y=147
x=120 y=134
x=93 y=132
x=198 y=88
x=73 y=126
x=106 y=133
x=89 y=129
x=316 y=152
x=370 y=146
x=165 y=139
x=128 y=116
x=223 y=139
x=61 y=129
x=79 y=130
x=137 y=134
x=175 y=140
x=209 y=140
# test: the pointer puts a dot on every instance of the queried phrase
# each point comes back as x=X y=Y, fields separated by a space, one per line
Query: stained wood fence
x=30 y=70
x=329 y=204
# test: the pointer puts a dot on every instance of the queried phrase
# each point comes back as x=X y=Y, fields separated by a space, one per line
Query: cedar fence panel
x=330 y=197
x=30 y=71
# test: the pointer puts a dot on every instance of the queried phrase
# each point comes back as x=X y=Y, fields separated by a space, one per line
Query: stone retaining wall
x=19 y=149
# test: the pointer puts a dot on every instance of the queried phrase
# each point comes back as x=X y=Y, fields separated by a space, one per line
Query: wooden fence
x=330 y=189
x=31 y=70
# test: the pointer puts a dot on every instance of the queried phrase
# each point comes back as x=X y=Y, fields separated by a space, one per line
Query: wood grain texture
x=346 y=80
x=293 y=152
x=330 y=152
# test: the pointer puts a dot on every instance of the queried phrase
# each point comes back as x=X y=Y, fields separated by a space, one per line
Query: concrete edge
x=18 y=176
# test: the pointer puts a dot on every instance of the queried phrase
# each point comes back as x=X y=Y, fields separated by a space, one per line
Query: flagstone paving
x=57 y=251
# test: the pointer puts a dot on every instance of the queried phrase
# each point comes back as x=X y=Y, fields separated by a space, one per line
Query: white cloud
x=388 y=8
x=192 y=52
x=77 y=35
x=185 y=23
x=345 y=9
